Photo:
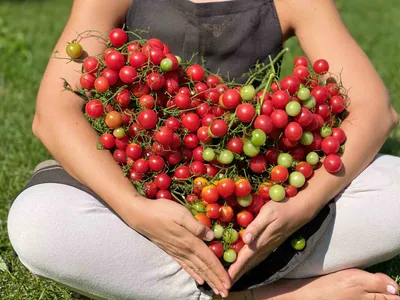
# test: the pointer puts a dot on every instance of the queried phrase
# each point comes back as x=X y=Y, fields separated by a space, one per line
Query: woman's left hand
x=272 y=226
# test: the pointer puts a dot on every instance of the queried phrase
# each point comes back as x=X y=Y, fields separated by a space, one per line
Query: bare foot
x=344 y=285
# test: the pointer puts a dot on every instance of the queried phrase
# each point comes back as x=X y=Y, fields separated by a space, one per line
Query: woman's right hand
x=173 y=228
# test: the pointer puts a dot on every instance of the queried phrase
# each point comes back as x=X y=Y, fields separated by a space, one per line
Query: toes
x=379 y=283
x=392 y=288
x=382 y=297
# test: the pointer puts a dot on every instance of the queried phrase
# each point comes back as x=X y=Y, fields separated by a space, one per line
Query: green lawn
x=28 y=31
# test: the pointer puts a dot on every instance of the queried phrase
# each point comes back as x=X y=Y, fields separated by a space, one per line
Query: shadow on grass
x=391 y=146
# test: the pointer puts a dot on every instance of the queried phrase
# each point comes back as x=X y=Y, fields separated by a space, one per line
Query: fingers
x=189 y=270
x=379 y=283
x=238 y=268
x=195 y=227
x=209 y=267
x=258 y=225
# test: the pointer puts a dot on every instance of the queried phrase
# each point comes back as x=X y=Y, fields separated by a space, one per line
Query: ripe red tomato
x=146 y=101
x=202 y=134
x=339 y=134
x=134 y=176
x=200 y=89
x=279 y=174
x=237 y=246
x=156 y=55
x=279 y=118
x=293 y=131
x=141 y=166
x=217 y=248
x=330 y=145
x=245 y=112
x=172 y=123
x=212 y=171
x=212 y=210
x=182 y=173
x=111 y=75
x=333 y=163
x=290 y=84
x=213 y=81
x=302 y=73
x=155 y=81
x=337 y=104
x=323 y=110
x=198 y=153
x=133 y=151
x=156 y=163
x=258 y=201
x=264 y=123
x=242 y=188
x=195 y=72
x=122 y=143
x=226 y=187
x=173 y=157
x=91 y=65
x=272 y=156
x=320 y=94
x=258 y=163
x=267 y=108
x=164 y=194
x=150 y=190
x=94 y=108
x=107 y=140
x=300 y=61
x=235 y=145
x=333 y=89
x=101 y=84
x=226 y=214
x=218 y=128
x=147 y=119
x=321 y=66
x=115 y=60
x=182 y=101
x=127 y=74
x=87 y=81
x=305 y=117
x=230 y=99
x=290 y=191
x=164 y=136
x=137 y=59
x=134 y=46
x=118 y=37
x=191 y=122
x=123 y=98
x=244 y=218
x=305 y=168
x=197 y=168
x=119 y=156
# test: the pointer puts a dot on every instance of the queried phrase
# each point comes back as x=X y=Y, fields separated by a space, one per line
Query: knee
x=25 y=232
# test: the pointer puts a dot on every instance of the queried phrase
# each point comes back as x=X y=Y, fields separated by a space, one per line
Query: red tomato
x=302 y=73
x=155 y=81
x=213 y=81
x=197 y=168
x=210 y=194
x=150 y=190
x=235 y=145
x=156 y=163
x=122 y=143
x=226 y=214
x=321 y=66
x=147 y=119
x=242 y=188
x=339 y=134
x=137 y=59
x=217 y=248
x=111 y=75
x=107 y=140
x=279 y=118
x=231 y=99
x=323 y=110
x=172 y=123
x=164 y=194
x=202 y=134
x=101 y=84
x=164 y=136
x=320 y=94
x=115 y=60
x=267 y=108
x=198 y=184
x=119 y=156
x=162 y=181
x=141 y=166
x=305 y=168
x=337 y=104
x=113 y=119
x=333 y=163
x=290 y=191
x=118 y=37
x=258 y=164
x=290 y=84
x=182 y=173
x=305 y=117
x=293 y=131
x=218 y=128
x=257 y=203
x=237 y=246
x=226 y=187
x=191 y=122
x=279 y=174
x=244 y=218
x=300 y=61
x=264 y=123
x=123 y=98
x=91 y=65
x=94 y=108
x=182 y=101
x=195 y=72
x=330 y=145
x=127 y=74
x=87 y=81
x=245 y=112
x=146 y=101
x=212 y=210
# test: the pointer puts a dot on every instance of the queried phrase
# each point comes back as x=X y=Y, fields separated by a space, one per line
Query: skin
x=170 y=225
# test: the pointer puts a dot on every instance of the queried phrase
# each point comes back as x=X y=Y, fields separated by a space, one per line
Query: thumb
x=197 y=228
x=255 y=228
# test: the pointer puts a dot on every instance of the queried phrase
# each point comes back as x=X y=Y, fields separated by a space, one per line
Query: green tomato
x=258 y=137
x=119 y=132
x=179 y=59
x=74 y=50
x=293 y=108
x=310 y=103
x=208 y=154
x=247 y=92
x=298 y=243
x=312 y=158
x=277 y=192
x=245 y=201
x=230 y=255
x=166 y=65
x=218 y=231
x=225 y=157
x=303 y=93
x=230 y=235
x=285 y=159
x=307 y=138
x=297 y=179
x=249 y=149
x=199 y=207
x=325 y=131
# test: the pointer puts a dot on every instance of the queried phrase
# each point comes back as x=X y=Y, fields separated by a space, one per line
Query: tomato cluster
x=221 y=149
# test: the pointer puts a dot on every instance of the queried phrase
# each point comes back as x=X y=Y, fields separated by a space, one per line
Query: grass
x=28 y=31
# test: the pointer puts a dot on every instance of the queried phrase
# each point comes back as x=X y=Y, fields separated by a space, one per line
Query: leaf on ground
x=3 y=265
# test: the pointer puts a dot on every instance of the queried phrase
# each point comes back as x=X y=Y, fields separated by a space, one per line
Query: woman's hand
x=173 y=228
x=273 y=225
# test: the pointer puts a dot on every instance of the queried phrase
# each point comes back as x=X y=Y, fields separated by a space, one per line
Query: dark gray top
x=230 y=35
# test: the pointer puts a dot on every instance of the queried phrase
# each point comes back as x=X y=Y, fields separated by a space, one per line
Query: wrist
x=131 y=209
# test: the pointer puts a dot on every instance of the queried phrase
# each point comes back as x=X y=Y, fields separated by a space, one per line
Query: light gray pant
x=64 y=234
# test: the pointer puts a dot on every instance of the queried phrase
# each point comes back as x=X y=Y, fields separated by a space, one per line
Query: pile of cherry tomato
x=221 y=149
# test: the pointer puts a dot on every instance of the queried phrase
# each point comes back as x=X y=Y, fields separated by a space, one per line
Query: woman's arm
x=61 y=126
x=322 y=34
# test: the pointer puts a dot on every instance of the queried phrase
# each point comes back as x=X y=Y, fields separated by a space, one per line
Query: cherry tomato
x=277 y=193
x=337 y=104
x=226 y=187
x=218 y=128
x=226 y=214
x=137 y=59
x=94 y=108
x=230 y=255
x=198 y=184
x=300 y=61
x=118 y=37
x=164 y=194
x=321 y=66
x=113 y=119
x=150 y=190
x=333 y=163
x=245 y=112
x=257 y=202
x=305 y=168
x=107 y=140
x=293 y=131
x=111 y=75
x=127 y=74
x=147 y=119
x=320 y=94
x=119 y=156
x=242 y=187
x=101 y=84
x=182 y=173
x=230 y=99
x=339 y=134
x=115 y=60
x=210 y=194
x=264 y=123
x=155 y=81
x=330 y=145
x=237 y=246
x=195 y=72
x=244 y=218
x=258 y=163
x=212 y=210
x=279 y=174
x=91 y=65
x=74 y=50
x=197 y=168
x=162 y=181
x=191 y=122
x=235 y=145
x=202 y=218
x=279 y=118
x=217 y=248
